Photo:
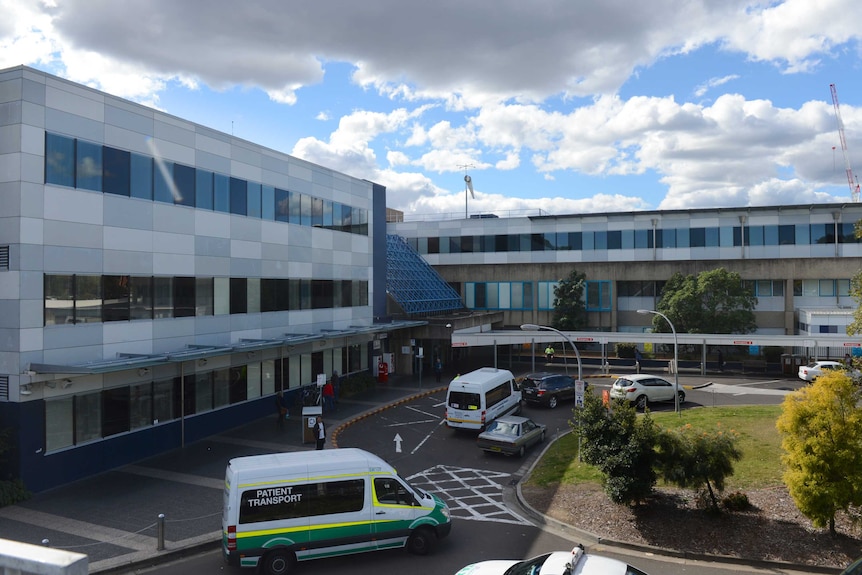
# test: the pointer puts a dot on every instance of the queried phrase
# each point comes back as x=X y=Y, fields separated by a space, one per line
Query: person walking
x=638 y=359
x=328 y=397
x=320 y=433
x=280 y=409
x=438 y=369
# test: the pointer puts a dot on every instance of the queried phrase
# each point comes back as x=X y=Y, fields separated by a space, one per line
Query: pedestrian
x=638 y=359
x=847 y=361
x=328 y=397
x=438 y=369
x=549 y=352
x=280 y=409
x=320 y=432
x=336 y=385
x=720 y=361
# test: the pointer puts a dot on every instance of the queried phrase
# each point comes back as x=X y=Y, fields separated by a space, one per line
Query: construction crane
x=852 y=181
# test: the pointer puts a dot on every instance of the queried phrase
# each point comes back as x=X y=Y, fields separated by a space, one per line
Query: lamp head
x=530 y=327
x=644 y=311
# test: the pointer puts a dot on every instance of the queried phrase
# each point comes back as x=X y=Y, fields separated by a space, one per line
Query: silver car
x=642 y=389
x=511 y=435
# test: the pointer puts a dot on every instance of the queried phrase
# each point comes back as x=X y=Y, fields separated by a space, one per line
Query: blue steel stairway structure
x=413 y=284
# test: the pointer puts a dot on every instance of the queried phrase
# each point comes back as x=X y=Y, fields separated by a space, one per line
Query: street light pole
x=534 y=327
x=675 y=355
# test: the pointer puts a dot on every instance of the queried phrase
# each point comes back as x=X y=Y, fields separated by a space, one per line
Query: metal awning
x=124 y=361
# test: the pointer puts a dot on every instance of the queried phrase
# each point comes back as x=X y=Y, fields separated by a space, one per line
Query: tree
x=694 y=458
x=570 y=313
x=715 y=301
x=621 y=445
x=821 y=429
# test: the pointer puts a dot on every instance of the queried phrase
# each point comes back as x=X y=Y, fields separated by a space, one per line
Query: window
x=185 y=182
x=598 y=296
x=88 y=417
x=141 y=177
x=164 y=188
x=498 y=394
x=267 y=503
x=238 y=196
x=116 y=171
x=184 y=296
x=115 y=411
x=88 y=166
x=59 y=160
x=239 y=296
x=221 y=193
x=115 y=290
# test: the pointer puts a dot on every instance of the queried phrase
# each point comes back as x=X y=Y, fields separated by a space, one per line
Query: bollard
x=160 y=543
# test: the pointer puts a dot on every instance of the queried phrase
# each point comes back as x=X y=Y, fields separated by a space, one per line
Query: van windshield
x=464 y=400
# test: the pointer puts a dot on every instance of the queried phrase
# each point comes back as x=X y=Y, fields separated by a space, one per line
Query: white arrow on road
x=398 y=441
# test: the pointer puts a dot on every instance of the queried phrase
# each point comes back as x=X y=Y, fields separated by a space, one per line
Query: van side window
x=304 y=500
x=391 y=491
x=464 y=400
x=498 y=394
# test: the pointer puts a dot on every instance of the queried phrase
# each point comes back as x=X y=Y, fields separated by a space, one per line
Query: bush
x=736 y=501
x=626 y=350
x=12 y=492
x=356 y=383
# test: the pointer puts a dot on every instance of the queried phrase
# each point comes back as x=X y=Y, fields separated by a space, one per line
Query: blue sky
x=556 y=106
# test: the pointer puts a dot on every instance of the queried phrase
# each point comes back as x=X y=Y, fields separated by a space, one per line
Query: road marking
x=427 y=437
x=472 y=494
x=434 y=415
x=413 y=422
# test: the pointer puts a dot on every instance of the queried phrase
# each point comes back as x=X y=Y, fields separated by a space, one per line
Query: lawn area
x=758 y=439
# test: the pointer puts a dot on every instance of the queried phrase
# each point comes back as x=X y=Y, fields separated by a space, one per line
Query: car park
x=642 y=389
x=576 y=562
x=547 y=389
x=815 y=369
x=511 y=435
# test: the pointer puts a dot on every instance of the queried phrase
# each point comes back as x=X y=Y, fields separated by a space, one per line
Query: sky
x=550 y=106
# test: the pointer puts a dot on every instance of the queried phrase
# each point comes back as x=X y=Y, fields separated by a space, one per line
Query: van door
x=395 y=508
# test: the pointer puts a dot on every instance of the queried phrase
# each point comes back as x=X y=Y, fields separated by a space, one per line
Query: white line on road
x=413 y=422
x=434 y=415
x=427 y=437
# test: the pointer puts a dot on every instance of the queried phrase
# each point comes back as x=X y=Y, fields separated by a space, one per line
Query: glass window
x=115 y=410
x=221 y=296
x=253 y=380
x=221 y=193
x=822 y=234
x=116 y=171
x=204 y=189
x=770 y=235
x=88 y=417
x=843 y=287
x=726 y=236
x=282 y=205
x=317 y=212
x=786 y=235
x=164 y=188
x=615 y=240
x=712 y=236
x=666 y=238
x=239 y=296
x=165 y=407
x=88 y=167
x=88 y=299
x=184 y=297
x=238 y=196
x=600 y=240
x=203 y=386
x=295 y=210
x=221 y=387
x=682 y=237
x=643 y=239
x=305 y=209
x=115 y=291
x=778 y=288
x=698 y=237
x=59 y=426
x=267 y=202
x=59 y=299
x=764 y=288
x=203 y=296
x=163 y=298
x=589 y=240
x=253 y=194
x=238 y=384
x=755 y=235
x=59 y=160
x=268 y=379
x=140 y=298
x=327 y=214
x=141 y=180
x=827 y=288
x=140 y=405
x=185 y=185
x=803 y=235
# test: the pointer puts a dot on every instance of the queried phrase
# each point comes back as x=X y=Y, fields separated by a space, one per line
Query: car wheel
x=542 y=437
x=552 y=402
x=641 y=402
x=521 y=451
x=277 y=562
x=681 y=396
x=422 y=541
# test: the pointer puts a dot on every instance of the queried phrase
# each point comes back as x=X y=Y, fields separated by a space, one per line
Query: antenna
x=468 y=181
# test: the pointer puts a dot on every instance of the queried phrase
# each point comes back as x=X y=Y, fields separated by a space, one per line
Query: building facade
x=160 y=280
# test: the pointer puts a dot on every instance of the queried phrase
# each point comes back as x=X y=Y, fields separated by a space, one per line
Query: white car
x=576 y=562
x=815 y=369
x=642 y=389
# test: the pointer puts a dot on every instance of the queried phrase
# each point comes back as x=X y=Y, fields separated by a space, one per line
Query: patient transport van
x=287 y=507
x=477 y=398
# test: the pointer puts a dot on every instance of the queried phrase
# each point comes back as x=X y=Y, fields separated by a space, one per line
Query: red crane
x=852 y=181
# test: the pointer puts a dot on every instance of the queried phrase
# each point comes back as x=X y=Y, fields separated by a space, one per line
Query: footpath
x=113 y=517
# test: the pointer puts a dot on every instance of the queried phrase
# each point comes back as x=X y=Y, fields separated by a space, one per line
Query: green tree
x=821 y=428
x=693 y=458
x=621 y=445
x=714 y=301
x=570 y=312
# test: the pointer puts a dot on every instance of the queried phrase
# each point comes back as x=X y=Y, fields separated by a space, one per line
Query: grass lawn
x=758 y=439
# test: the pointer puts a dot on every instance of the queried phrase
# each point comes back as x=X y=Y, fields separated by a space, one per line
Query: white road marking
x=413 y=422
x=435 y=415
x=427 y=437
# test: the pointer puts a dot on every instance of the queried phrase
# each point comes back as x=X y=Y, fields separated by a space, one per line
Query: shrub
x=12 y=492
x=356 y=383
x=736 y=501
x=626 y=350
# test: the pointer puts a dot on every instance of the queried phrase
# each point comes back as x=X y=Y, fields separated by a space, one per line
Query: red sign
x=742 y=342
x=584 y=339
x=852 y=344
x=459 y=344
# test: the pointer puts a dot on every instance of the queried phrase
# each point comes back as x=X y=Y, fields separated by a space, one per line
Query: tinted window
x=294 y=501
x=59 y=160
x=464 y=400
x=116 y=171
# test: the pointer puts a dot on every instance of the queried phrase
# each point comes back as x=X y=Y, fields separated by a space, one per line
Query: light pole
x=675 y=355
x=534 y=327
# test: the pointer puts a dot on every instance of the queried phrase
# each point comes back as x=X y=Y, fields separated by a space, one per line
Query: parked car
x=854 y=568
x=510 y=435
x=815 y=369
x=643 y=389
x=547 y=389
x=557 y=563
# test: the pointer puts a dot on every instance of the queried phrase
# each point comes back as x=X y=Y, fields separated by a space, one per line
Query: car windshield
x=528 y=567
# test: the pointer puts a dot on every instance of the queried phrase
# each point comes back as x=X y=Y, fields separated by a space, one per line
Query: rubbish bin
x=309 y=419
x=787 y=364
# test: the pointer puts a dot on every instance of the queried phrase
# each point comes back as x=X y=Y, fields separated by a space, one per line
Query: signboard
x=579 y=392
x=321 y=379
x=742 y=342
x=584 y=339
x=852 y=344
x=459 y=344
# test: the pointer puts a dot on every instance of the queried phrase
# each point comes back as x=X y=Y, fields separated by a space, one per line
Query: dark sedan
x=547 y=389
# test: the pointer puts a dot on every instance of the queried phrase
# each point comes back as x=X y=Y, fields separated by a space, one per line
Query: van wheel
x=422 y=542
x=277 y=562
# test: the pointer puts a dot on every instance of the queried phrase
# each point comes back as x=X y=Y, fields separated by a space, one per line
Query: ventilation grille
x=4 y=258
x=4 y=387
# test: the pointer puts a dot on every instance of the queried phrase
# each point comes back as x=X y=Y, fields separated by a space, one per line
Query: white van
x=477 y=398
x=288 y=507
